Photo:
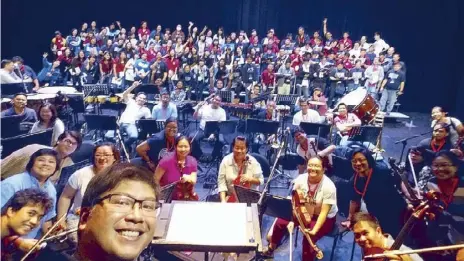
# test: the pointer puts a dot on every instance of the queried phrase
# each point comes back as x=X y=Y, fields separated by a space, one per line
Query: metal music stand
x=148 y=127
x=288 y=100
x=226 y=96
x=316 y=129
x=10 y=126
x=95 y=90
x=10 y=145
x=66 y=172
x=365 y=133
x=166 y=192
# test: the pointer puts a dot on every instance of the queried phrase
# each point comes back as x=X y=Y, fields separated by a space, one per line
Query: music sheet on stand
x=207 y=224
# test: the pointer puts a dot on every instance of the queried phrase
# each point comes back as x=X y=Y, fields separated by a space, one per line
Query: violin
x=303 y=217
x=185 y=190
x=237 y=181
x=429 y=207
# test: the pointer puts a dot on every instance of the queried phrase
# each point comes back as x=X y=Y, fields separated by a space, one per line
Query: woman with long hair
x=48 y=119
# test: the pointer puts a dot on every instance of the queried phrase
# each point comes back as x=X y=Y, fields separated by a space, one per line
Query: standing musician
x=42 y=165
x=118 y=216
x=68 y=142
x=177 y=166
x=374 y=184
x=312 y=146
x=456 y=127
x=322 y=194
x=238 y=168
x=153 y=149
x=368 y=234
x=103 y=156
x=135 y=110
x=19 y=108
x=22 y=213
x=208 y=112
x=306 y=114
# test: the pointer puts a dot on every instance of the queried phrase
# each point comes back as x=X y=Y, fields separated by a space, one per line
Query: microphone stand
x=405 y=141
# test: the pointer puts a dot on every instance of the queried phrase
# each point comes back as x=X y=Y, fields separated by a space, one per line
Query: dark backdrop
x=428 y=34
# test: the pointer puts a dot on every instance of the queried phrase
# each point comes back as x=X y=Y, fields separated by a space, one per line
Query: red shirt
x=151 y=55
x=143 y=32
x=274 y=48
x=267 y=77
x=119 y=65
x=107 y=66
x=347 y=42
x=347 y=64
x=172 y=64
x=59 y=42
x=298 y=62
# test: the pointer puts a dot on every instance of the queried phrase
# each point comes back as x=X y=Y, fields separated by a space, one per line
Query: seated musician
x=104 y=155
x=178 y=95
x=373 y=183
x=208 y=112
x=311 y=146
x=255 y=93
x=456 y=127
x=153 y=149
x=48 y=119
x=41 y=166
x=177 y=166
x=68 y=142
x=118 y=216
x=318 y=96
x=369 y=235
x=19 y=108
x=7 y=75
x=135 y=110
x=322 y=191
x=25 y=72
x=238 y=168
x=22 y=213
x=270 y=113
x=164 y=110
x=344 y=122
x=306 y=114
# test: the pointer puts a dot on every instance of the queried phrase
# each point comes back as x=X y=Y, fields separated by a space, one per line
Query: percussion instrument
x=362 y=104
x=35 y=100
x=283 y=109
x=317 y=103
x=55 y=90
x=90 y=99
x=102 y=98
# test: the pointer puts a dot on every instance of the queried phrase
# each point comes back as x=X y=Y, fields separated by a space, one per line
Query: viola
x=237 y=181
x=303 y=217
x=429 y=207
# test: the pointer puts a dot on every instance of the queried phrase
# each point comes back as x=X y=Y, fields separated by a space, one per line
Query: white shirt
x=326 y=193
x=453 y=123
x=207 y=113
x=134 y=112
x=79 y=181
x=6 y=77
x=310 y=152
x=228 y=172
x=380 y=46
x=311 y=116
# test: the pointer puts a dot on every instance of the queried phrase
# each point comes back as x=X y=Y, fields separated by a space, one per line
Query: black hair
x=449 y=155
x=52 y=108
x=112 y=177
x=43 y=152
x=341 y=104
x=20 y=94
x=76 y=135
x=169 y=120
x=240 y=138
x=30 y=196
x=366 y=217
x=17 y=59
x=6 y=62
x=442 y=125
x=115 y=151
x=366 y=153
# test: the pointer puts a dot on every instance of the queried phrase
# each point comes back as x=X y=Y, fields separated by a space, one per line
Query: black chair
x=10 y=145
x=10 y=126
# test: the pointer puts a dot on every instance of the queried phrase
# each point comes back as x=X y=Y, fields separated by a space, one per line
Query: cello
x=428 y=208
x=303 y=217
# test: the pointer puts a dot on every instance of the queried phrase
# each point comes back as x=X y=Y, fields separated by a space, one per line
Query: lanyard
x=363 y=193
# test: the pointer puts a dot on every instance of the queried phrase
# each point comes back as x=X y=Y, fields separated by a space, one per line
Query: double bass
x=428 y=208
x=237 y=181
x=185 y=190
x=303 y=217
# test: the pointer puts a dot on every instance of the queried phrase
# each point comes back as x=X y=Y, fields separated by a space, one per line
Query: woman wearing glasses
x=104 y=155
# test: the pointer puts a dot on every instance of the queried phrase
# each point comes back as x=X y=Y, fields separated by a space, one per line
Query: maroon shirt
x=267 y=77
x=119 y=65
x=347 y=42
x=172 y=171
x=59 y=42
x=107 y=66
x=143 y=32
x=172 y=64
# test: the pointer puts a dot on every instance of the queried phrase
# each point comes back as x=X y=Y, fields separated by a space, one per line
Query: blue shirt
x=161 y=113
x=29 y=114
x=23 y=181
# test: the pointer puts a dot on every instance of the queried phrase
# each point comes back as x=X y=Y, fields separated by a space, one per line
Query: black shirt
x=158 y=144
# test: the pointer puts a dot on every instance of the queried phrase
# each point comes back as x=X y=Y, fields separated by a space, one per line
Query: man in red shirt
x=267 y=77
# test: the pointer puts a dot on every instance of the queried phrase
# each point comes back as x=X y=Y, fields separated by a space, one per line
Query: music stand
x=10 y=145
x=149 y=127
x=66 y=172
x=365 y=133
x=101 y=123
x=205 y=234
x=288 y=100
x=10 y=125
x=321 y=129
x=95 y=90
x=226 y=96
x=261 y=126
x=148 y=89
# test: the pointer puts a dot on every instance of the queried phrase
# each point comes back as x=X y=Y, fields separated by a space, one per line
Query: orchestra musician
x=158 y=145
x=166 y=109
x=20 y=214
x=68 y=142
x=322 y=192
x=103 y=156
x=344 y=122
x=238 y=168
x=368 y=234
x=48 y=119
x=208 y=112
x=177 y=165
x=310 y=146
x=20 y=108
x=318 y=101
x=456 y=127
x=118 y=216
x=306 y=114
x=373 y=183
x=41 y=166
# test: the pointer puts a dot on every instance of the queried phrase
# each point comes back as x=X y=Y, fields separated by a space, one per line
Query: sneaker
x=269 y=252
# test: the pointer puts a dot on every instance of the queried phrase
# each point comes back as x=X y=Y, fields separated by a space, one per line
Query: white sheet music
x=208 y=224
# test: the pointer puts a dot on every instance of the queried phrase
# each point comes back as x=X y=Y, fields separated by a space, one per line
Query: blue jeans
x=132 y=134
x=352 y=86
x=388 y=100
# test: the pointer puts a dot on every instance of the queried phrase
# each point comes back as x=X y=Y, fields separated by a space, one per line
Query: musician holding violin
x=369 y=235
x=312 y=146
x=238 y=168
x=179 y=166
x=314 y=201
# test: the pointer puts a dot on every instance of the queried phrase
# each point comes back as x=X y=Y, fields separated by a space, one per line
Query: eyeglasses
x=104 y=155
x=124 y=204
x=69 y=142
